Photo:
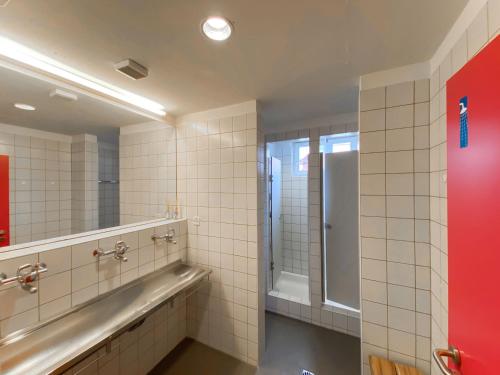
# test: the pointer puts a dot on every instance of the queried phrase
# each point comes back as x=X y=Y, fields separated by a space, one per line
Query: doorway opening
x=288 y=258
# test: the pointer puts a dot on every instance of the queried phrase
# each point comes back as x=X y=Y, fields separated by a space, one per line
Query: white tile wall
x=40 y=187
x=147 y=175
x=220 y=170
x=395 y=263
x=483 y=28
x=75 y=276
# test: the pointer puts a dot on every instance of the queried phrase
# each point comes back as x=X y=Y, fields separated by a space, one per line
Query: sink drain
x=306 y=372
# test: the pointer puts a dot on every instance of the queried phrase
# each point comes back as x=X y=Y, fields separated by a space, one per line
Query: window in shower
x=339 y=143
x=300 y=155
x=339 y=220
x=288 y=274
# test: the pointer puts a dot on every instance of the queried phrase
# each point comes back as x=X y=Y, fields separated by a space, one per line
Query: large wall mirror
x=72 y=163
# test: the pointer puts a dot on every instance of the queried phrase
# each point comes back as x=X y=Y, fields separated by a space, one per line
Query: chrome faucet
x=168 y=237
x=26 y=274
x=118 y=252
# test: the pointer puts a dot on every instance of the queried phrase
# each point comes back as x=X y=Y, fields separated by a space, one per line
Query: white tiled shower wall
x=483 y=28
x=75 y=276
x=85 y=191
x=294 y=218
x=219 y=174
x=316 y=313
x=394 y=223
x=147 y=174
x=40 y=185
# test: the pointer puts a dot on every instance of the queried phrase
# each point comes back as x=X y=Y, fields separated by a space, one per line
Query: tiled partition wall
x=316 y=313
x=75 y=276
x=147 y=172
x=84 y=174
x=394 y=208
x=40 y=183
x=483 y=28
x=217 y=189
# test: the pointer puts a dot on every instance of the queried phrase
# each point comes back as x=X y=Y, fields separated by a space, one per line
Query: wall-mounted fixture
x=118 y=252
x=63 y=95
x=24 y=107
x=168 y=237
x=25 y=276
x=39 y=63
x=131 y=69
x=217 y=28
x=196 y=221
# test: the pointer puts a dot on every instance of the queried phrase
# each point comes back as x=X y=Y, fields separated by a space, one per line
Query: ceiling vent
x=63 y=95
x=131 y=69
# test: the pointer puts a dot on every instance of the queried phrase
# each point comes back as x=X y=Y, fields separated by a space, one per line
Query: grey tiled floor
x=291 y=345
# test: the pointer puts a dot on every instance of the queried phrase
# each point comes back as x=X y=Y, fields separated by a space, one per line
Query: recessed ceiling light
x=217 y=28
x=24 y=107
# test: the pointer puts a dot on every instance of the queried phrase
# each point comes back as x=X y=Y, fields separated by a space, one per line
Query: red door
x=4 y=200
x=473 y=128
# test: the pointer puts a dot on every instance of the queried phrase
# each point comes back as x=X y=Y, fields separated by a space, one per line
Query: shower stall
x=288 y=275
x=335 y=180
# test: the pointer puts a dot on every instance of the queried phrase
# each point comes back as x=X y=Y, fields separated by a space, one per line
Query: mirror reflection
x=62 y=170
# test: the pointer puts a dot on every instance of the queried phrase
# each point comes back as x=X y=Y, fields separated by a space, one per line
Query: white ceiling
x=299 y=58
x=86 y=115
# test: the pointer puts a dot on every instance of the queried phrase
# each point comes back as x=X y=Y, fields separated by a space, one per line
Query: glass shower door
x=340 y=228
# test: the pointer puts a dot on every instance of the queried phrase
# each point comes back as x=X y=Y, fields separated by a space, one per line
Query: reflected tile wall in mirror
x=40 y=186
x=148 y=172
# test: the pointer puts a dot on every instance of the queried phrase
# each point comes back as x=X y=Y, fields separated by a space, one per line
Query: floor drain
x=307 y=372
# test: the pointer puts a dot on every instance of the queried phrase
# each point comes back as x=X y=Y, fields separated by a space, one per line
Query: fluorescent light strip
x=18 y=52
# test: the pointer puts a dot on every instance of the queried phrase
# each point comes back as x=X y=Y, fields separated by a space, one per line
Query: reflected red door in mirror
x=4 y=201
